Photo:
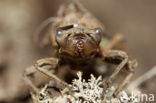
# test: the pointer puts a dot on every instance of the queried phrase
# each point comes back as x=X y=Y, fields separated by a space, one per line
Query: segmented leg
x=29 y=71
x=131 y=65
x=50 y=75
x=123 y=83
x=121 y=58
x=41 y=65
x=64 y=86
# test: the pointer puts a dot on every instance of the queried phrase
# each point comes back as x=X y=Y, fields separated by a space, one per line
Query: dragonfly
x=76 y=35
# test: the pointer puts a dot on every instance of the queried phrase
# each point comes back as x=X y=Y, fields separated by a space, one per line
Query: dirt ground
x=135 y=19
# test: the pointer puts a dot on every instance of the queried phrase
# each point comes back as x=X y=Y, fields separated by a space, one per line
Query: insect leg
x=65 y=87
x=110 y=56
x=30 y=71
x=123 y=83
x=52 y=76
x=121 y=59
x=131 y=65
x=53 y=62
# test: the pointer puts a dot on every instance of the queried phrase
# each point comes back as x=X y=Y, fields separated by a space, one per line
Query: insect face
x=78 y=41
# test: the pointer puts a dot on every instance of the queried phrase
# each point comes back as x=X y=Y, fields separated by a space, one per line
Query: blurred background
x=135 y=19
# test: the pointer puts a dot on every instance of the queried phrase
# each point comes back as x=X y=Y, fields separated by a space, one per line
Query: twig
x=150 y=74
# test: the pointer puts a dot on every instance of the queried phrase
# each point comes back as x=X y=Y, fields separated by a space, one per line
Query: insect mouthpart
x=80 y=45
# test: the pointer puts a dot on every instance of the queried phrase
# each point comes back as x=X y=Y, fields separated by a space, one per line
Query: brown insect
x=76 y=35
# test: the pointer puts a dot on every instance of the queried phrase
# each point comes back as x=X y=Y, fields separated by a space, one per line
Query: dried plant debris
x=86 y=92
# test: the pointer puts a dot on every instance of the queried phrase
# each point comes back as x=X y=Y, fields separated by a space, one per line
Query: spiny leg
x=131 y=65
x=110 y=56
x=27 y=72
x=123 y=83
x=124 y=59
x=121 y=58
x=64 y=86
x=53 y=62
x=52 y=76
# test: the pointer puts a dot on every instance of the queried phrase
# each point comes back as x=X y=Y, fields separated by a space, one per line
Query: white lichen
x=86 y=92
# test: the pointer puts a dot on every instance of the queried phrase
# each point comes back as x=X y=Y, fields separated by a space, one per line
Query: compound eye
x=60 y=37
x=98 y=31
x=97 y=35
x=59 y=33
